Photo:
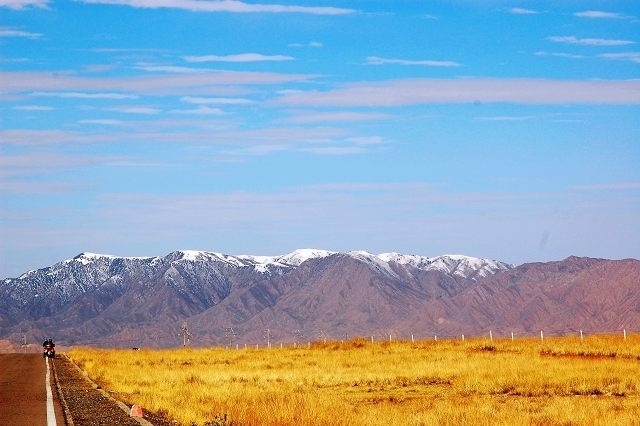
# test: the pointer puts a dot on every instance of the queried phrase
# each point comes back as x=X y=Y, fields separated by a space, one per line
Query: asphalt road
x=23 y=392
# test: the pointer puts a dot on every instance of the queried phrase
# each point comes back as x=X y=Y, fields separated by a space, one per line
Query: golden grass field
x=558 y=381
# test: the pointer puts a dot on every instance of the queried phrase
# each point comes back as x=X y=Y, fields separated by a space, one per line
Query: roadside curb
x=120 y=404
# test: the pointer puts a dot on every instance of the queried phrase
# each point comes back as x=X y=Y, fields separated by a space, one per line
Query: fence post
x=463 y=337
x=624 y=333
x=581 y=337
x=412 y=341
x=541 y=335
x=371 y=339
x=490 y=336
x=435 y=338
x=512 y=336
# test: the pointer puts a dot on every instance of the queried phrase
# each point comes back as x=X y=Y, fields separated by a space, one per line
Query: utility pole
x=230 y=334
x=268 y=336
x=184 y=332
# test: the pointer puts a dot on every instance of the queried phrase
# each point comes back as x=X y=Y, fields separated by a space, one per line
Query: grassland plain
x=558 y=381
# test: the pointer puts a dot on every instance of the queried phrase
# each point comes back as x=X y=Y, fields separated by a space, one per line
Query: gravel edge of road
x=75 y=387
x=68 y=420
x=120 y=404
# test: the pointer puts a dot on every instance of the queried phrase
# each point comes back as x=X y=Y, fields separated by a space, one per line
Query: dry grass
x=563 y=381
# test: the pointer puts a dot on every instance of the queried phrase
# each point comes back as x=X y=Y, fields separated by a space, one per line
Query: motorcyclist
x=48 y=345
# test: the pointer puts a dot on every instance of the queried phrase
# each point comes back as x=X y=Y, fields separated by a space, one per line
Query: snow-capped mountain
x=119 y=301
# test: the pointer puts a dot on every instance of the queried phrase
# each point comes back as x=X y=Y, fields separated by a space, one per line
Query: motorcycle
x=49 y=351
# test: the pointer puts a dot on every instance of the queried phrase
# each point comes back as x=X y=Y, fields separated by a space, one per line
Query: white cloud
x=232 y=6
x=589 y=41
x=333 y=150
x=14 y=32
x=597 y=14
x=471 y=90
x=522 y=11
x=106 y=122
x=169 y=69
x=242 y=57
x=375 y=60
x=24 y=4
x=136 y=110
x=33 y=108
x=559 y=55
x=626 y=56
x=83 y=95
x=310 y=44
x=337 y=116
x=615 y=186
x=201 y=110
x=47 y=83
x=508 y=118
x=222 y=101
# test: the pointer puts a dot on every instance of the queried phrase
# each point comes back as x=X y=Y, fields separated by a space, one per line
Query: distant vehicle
x=49 y=349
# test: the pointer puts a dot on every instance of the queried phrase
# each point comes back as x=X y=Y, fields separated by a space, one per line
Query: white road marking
x=51 y=414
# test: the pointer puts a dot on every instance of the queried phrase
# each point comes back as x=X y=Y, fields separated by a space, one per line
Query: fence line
x=279 y=338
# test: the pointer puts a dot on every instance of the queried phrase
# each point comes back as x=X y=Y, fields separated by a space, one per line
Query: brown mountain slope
x=333 y=297
x=575 y=294
x=336 y=296
x=340 y=296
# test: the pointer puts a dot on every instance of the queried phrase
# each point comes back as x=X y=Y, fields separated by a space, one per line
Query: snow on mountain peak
x=460 y=265
x=456 y=264
x=86 y=258
x=199 y=255
x=297 y=257
x=375 y=261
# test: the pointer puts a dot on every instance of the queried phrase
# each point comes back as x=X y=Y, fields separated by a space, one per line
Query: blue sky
x=500 y=129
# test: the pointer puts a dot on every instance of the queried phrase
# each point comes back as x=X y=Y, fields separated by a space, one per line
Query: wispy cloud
x=33 y=108
x=242 y=57
x=310 y=44
x=24 y=4
x=560 y=55
x=508 y=118
x=234 y=6
x=52 y=84
x=625 y=56
x=201 y=110
x=83 y=95
x=102 y=122
x=598 y=14
x=470 y=90
x=15 y=32
x=221 y=101
x=522 y=11
x=376 y=60
x=136 y=110
x=589 y=41
x=337 y=116
x=614 y=186
x=174 y=69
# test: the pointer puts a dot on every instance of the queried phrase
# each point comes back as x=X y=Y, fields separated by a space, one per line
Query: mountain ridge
x=107 y=300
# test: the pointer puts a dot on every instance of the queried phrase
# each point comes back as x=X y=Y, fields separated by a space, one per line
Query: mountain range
x=212 y=298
